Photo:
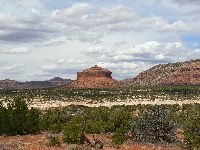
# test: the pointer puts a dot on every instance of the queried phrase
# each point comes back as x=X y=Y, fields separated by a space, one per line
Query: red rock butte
x=94 y=77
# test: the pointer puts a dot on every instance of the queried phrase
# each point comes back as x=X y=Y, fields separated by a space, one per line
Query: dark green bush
x=192 y=127
x=18 y=119
x=120 y=119
x=154 y=126
x=118 y=137
x=5 y=127
x=192 y=134
x=73 y=133
x=54 y=120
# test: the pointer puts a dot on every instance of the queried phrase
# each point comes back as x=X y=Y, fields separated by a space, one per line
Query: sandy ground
x=56 y=104
x=35 y=142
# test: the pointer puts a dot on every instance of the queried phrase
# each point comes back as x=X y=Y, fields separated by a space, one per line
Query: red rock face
x=94 y=72
x=94 y=77
x=188 y=74
x=185 y=73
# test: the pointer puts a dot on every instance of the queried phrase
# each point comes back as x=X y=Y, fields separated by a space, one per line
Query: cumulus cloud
x=25 y=28
x=58 y=67
x=177 y=26
x=14 y=49
x=151 y=51
x=83 y=22
x=111 y=20
x=97 y=50
x=142 y=56
x=11 y=68
x=76 y=10
x=21 y=50
x=85 y=34
x=123 y=63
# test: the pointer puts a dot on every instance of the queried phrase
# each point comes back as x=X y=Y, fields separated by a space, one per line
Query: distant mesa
x=58 y=79
x=7 y=81
x=12 y=84
x=94 y=77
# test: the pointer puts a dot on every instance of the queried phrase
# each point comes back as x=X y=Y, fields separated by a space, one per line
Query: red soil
x=35 y=142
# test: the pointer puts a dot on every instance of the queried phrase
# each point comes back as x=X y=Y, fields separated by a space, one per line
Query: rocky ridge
x=94 y=77
x=181 y=73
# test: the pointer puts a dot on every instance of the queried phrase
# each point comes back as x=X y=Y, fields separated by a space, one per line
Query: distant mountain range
x=12 y=84
x=181 y=73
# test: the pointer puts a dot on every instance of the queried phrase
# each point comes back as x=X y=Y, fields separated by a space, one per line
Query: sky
x=41 y=39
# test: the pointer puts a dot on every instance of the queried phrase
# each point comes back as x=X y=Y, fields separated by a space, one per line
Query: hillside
x=181 y=73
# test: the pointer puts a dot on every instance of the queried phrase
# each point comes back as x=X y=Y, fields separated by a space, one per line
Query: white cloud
x=36 y=73
x=142 y=56
x=61 y=61
x=75 y=10
x=14 y=49
x=177 y=26
x=20 y=50
x=49 y=67
x=83 y=22
x=62 y=41
x=11 y=68
x=77 y=22
x=97 y=50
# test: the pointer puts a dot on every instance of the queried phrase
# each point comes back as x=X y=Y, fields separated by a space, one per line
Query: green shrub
x=192 y=134
x=4 y=120
x=32 y=121
x=192 y=127
x=118 y=137
x=120 y=119
x=97 y=120
x=73 y=133
x=18 y=119
x=54 y=120
x=154 y=126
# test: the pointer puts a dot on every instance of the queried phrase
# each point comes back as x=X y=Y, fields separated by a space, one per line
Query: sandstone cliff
x=94 y=77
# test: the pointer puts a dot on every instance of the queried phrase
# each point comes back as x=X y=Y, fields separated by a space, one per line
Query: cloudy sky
x=41 y=39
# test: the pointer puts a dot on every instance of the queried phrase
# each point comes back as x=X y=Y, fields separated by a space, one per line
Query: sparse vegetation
x=152 y=124
x=99 y=95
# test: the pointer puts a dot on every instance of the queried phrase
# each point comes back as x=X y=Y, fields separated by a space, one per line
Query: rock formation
x=94 y=77
x=188 y=74
x=181 y=73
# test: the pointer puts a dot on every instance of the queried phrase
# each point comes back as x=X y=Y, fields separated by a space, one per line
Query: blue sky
x=41 y=39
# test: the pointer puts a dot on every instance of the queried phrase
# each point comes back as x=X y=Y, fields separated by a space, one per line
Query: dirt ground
x=36 y=142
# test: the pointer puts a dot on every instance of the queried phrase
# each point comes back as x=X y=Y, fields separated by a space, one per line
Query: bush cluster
x=17 y=119
x=152 y=124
